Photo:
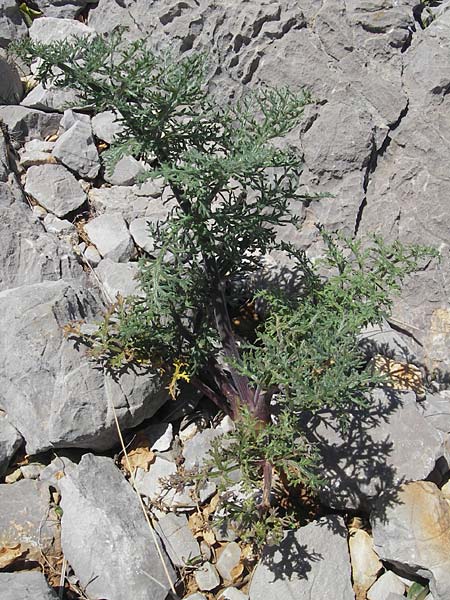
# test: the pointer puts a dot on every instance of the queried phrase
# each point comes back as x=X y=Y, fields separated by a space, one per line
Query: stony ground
x=378 y=140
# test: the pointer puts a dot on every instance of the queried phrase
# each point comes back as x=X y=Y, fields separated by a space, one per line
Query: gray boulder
x=27 y=519
x=26 y=585
x=49 y=29
x=50 y=389
x=11 y=88
x=110 y=235
x=386 y=444
x=55 y=188
x=12 y=26
x=10 y=441
x=76 y=150
x=105 y=537
x=305 y=564
x=25 y=124
x=413 y=534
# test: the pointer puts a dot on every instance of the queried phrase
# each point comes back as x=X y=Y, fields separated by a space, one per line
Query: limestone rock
x=117 y=199
x=106 y=126
x=228 y=560
x=109 y=233
x=105 y=537
x=177 y=539
x=207 y=577
x=232 y=594
x=118 y=278
x=76 y=150
x=55 y=188
x=10 y=441
x=62 y=9
x=436 y=410
x=155 y=485
x=36 y=152
x=50 y=98
x=383 y=431
x=413 y=534
x=50 y=29
x=26 y=518
x=12 y=26
x=387 y=583
x=50 y=390
x=59 y=226
x=91 y=254
x=140 y=233
x=30 y=255
x=26 y=585
x=126 y=172
x=365 y=563
x=196 y=450
x=11 y=88
x=305 y=564
x=25 y=124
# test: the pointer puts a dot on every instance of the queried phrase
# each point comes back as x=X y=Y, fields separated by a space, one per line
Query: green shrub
x=234 y=183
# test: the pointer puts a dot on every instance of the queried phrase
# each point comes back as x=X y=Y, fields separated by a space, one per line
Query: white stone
x=91 y=254
x=59 y=226
x=365 y=563
x=36 y=152
x=110 y=235
x=232 y=594
x=179 y=543
x=207 y=577
x=75 y=148
x=141 y=235
x=55 y=188
x=126 y=172
x=49 y=29
x=228 y=560
x=106 y=126
x=387 y=583
x=118 y=278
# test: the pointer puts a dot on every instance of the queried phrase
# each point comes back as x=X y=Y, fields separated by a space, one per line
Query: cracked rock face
x=375 y=141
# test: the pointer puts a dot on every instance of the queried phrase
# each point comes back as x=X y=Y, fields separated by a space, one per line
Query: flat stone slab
x=401 y=443
x=25 y=585
x=180 y=544
x=310 y=563
x=55 y=188
x=413 y=533
x=105 y=537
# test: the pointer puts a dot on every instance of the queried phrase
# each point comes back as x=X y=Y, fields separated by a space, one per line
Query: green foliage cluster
x=234 y=184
